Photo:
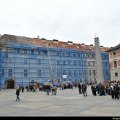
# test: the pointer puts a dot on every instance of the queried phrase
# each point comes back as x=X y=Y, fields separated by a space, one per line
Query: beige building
x=114 y=58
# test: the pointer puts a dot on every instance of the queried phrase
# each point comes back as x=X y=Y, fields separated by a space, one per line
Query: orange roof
x=50 y=43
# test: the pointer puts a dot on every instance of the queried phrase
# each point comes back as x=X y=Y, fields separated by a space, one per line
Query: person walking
x=116 y=91
x=48 y=89
x=17 y=94
x=93 y=88
x=79 y=87
x=84 y=90
x=112 y=91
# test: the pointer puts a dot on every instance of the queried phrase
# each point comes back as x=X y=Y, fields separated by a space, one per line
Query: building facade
x=114 y=58
x=25 y=60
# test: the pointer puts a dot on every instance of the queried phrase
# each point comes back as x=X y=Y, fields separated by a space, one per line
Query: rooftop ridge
x=49 y=43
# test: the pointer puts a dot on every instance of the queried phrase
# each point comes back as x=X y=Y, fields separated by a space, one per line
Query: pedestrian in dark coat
x=84 y=90
x=116 y=91
x=79 y=87
x=17 y=94
x=93 y=90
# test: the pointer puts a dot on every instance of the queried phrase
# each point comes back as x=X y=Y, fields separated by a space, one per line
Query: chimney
x=70 y=42
x=91 y=44
x=43 y=39
x=55 y=40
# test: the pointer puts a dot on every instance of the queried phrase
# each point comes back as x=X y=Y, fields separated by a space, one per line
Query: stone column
x=99 y=68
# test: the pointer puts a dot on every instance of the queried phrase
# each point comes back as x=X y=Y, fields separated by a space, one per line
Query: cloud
x=75 y=20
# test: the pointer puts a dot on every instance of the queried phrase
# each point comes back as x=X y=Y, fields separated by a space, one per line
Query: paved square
x=66 y=103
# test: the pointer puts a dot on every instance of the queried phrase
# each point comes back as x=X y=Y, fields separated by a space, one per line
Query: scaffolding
x=23 y=65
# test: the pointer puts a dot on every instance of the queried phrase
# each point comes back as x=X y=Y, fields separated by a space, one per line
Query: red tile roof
x=50 y=43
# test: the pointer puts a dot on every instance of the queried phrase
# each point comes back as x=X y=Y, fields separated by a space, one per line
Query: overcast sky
x=65 y=20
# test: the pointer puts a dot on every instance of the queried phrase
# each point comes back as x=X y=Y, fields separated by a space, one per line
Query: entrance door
x=10 y=84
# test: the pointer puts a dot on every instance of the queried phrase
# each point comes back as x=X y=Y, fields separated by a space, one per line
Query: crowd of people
x=107 y=88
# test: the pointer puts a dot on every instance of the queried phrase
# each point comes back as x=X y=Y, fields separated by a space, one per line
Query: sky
x=65 y=20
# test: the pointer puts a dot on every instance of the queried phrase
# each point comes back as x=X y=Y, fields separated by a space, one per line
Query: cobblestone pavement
x=66 y=103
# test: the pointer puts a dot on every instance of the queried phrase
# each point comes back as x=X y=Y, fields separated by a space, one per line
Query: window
x=107 y=57
x=44 y=52
x=39 y=62
x=85 y=72
x=106 y=72
x=85 y=63
x=115 y=64
x=10 y=72
x=83 y=56
x=74 y=63
x=80 y=55
x=79 y=63
x=69 y=62
x=58 y=53
x=89 y=64
x=58 y=62
x=2 y=72
x=93 y=56
x=39 y=73
x=74 y=55
x=9 y=50
x=64 y=62
x=90 y=80
x=106 y=64
x=64 y=72
x=58 y=73
x=114 y=53
x=63 y=54
x=25 y=51
x=18 y=51
x=118 y=62
x=10 y=60
x=68 y=54
x=25 y=72
x=93 y=63
x=69 y=72
x=75 y=73
x=39 y=52
x=94 y=72
x=53 y=72
x=32 y=51
x=90 y=72
x=116 y=74
x=25 y=61
x=80 y=72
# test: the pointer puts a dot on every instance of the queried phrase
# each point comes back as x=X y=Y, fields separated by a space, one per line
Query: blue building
x=24 y=60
